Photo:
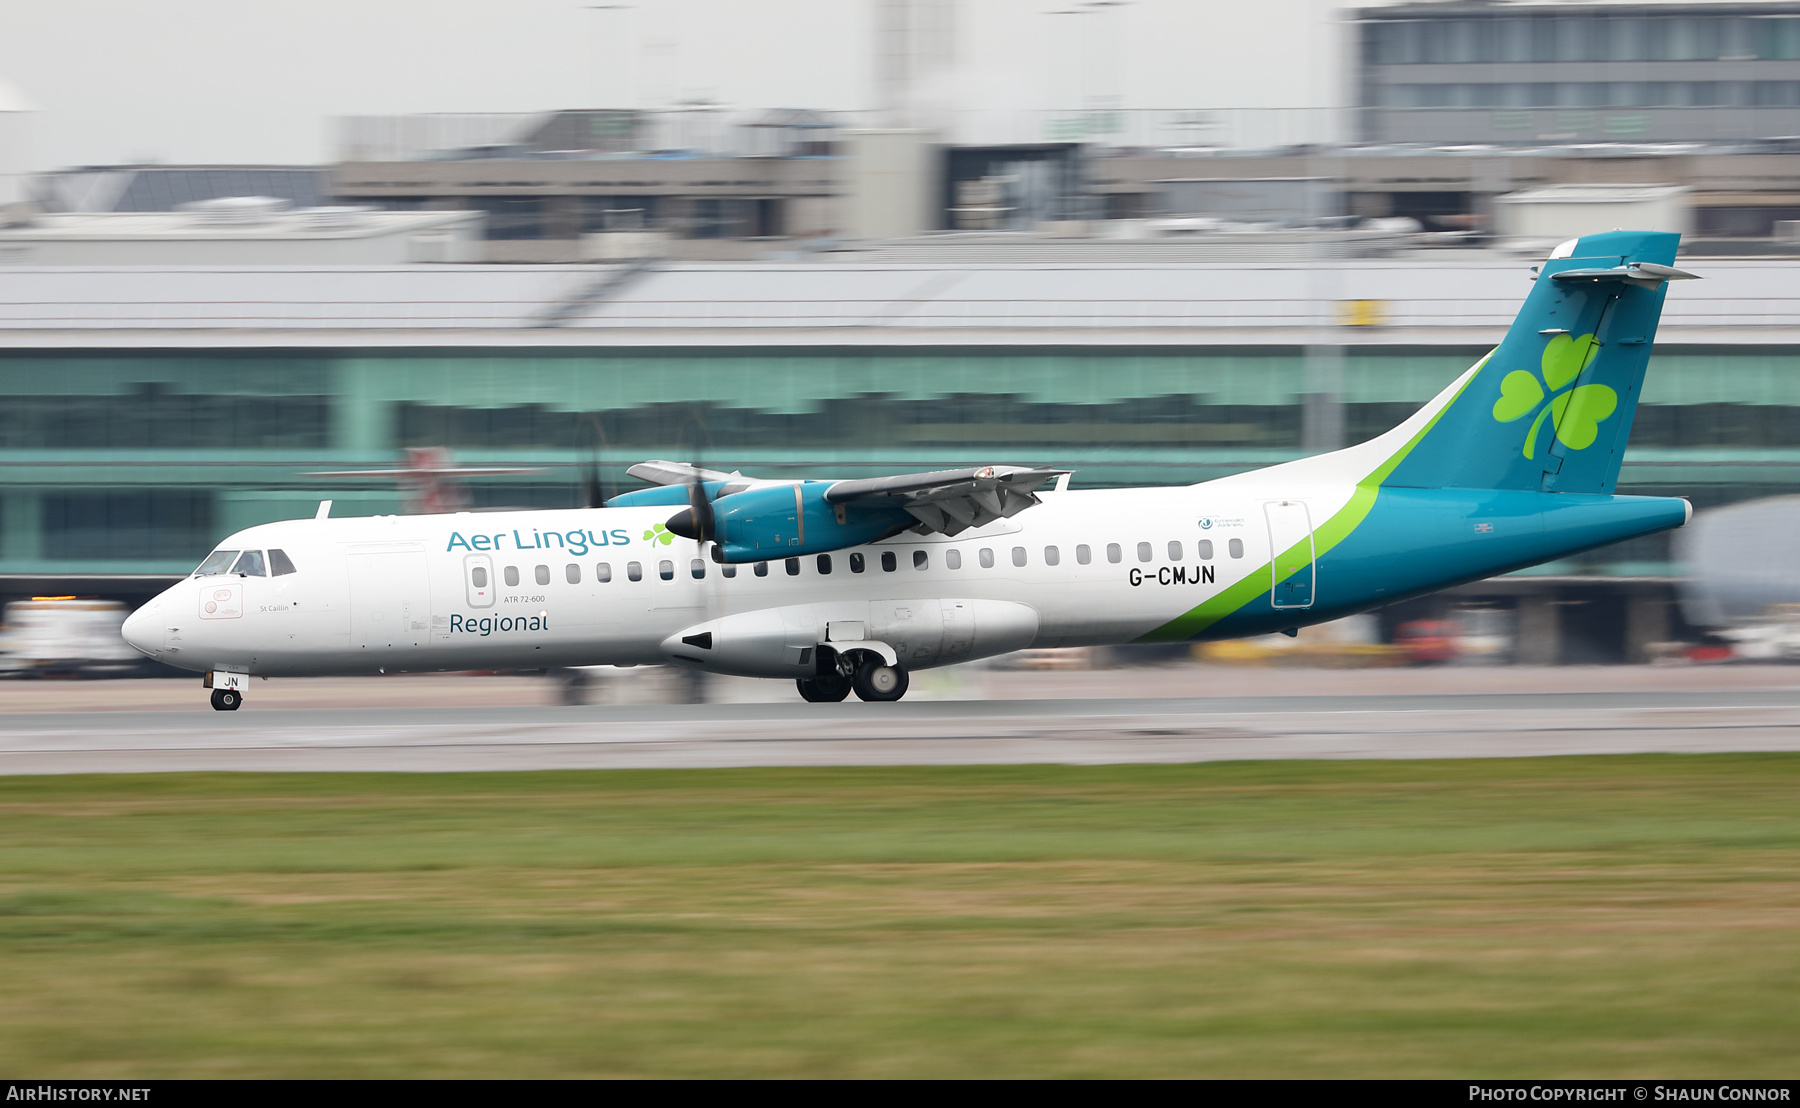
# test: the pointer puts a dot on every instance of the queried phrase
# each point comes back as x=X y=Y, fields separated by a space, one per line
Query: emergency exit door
x=390 y=601
x=1291 y=550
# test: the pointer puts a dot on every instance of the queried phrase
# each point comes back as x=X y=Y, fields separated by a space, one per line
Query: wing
x=659 y=472
x=949 y=501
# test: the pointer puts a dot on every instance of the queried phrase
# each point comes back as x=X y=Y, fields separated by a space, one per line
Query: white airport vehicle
x=65 y=636
x=850 y=585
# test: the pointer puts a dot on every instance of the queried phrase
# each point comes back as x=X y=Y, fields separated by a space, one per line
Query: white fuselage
x=533 y=589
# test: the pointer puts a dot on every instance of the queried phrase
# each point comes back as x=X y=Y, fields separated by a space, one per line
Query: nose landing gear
x=227 y=689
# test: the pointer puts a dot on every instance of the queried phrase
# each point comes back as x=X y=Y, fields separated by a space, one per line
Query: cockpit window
x=279 y=564
x=217 y=562
x=250 y=564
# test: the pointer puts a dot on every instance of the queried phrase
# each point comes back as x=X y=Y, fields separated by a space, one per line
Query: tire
x=876 y=681
x=829 y=689
x=227 y=700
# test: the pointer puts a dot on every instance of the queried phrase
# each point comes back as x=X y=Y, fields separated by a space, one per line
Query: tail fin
x=1552 y=407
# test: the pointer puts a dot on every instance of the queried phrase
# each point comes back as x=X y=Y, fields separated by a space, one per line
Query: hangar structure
x=146 y=411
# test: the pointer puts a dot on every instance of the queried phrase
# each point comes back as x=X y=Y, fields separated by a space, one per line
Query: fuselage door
x=390 y=599
x=1291 y=551
x=478 y=578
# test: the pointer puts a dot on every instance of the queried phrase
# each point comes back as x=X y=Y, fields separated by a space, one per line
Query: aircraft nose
x=140 y=629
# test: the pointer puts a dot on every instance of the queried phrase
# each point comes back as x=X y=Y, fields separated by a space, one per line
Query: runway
x=1464 y=720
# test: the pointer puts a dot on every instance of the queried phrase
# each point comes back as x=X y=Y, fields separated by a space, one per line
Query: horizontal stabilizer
x=1644 y=275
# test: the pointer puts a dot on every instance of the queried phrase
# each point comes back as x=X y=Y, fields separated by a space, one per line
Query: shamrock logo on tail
x=1575 y=414
x=659 y=533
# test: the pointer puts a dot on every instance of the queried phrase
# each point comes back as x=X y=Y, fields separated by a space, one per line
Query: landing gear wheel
x=828 y=689
x=227 y=700
x=877 y=681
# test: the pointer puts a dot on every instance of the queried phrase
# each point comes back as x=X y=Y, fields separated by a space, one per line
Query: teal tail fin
x=1551 y=408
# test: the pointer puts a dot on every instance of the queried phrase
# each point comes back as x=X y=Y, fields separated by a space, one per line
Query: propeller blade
x=695 y=521
x=592 y=496
x=701 y=506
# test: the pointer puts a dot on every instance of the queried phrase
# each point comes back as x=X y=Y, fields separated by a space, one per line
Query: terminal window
x=157 y=415
x=158 y=524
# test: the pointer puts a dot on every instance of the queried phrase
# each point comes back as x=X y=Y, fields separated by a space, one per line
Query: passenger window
x=217 y=562
x=478 y=577
x=1144 y=552
x=1175 y=550
x=824 y=565
x=666 y=570
x=1203 y=550
x=279 y=565
x=920 y=559
x=1084 y=554
x=793 y=567
x=987 y=558
x=512 y=575
x=249 y=564
x=1052 y=556
x=572 y=573
x=1113 y=554
x=1018 y=555
x=857 y=563
x=698 y=569
x=1236 y=546
x=728 y=570
x=634 y=570
x=762 y=569
x=542 y=573
x=888 y=562
x=603 y=572
x=952 y=559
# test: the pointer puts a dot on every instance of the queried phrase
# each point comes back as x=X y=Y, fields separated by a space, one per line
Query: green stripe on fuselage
x=1335 y=530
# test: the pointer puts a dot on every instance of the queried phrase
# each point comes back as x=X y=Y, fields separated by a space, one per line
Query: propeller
x=700 y=504
x=696 y=522
x=593 y=489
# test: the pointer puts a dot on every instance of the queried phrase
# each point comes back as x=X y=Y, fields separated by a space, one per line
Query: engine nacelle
x=786 y=642
x=784 y=521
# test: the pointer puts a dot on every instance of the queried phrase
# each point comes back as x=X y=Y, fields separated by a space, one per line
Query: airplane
x=851 y=585
x=430 y=481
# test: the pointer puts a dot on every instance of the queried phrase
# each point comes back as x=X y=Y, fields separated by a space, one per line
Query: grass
x=1552 y=917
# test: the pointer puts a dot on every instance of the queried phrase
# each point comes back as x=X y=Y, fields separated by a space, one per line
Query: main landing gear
x=873 y=680
x=827 y=689
x=227 y=700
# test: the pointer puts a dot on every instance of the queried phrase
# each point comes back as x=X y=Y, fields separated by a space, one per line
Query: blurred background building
x=1146 y=296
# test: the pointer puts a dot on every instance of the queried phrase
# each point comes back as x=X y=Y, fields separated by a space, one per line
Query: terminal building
x=146 y=412
x=1472 y=71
